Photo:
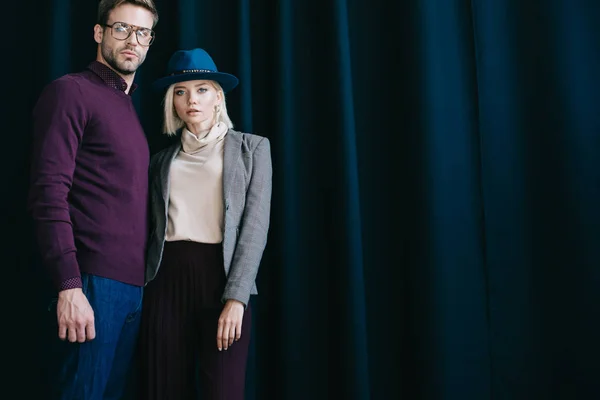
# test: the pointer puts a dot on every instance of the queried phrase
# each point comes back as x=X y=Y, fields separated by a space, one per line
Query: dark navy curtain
x=435 y=225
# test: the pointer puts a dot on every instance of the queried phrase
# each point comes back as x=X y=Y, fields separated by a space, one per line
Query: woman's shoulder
x=249 y=139
x=159 y=156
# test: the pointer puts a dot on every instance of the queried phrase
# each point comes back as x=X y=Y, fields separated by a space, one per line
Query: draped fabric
x=435 y=224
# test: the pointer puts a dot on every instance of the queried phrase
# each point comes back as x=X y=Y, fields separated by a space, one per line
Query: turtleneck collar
x=192 y=144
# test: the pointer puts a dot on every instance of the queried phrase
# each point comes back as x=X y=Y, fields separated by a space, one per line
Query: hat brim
x=227 y=81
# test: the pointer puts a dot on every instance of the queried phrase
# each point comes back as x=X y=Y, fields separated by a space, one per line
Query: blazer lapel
x=231 y=153
x=166 y=168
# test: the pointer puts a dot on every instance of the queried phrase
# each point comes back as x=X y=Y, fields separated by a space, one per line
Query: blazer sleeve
x=254 y=227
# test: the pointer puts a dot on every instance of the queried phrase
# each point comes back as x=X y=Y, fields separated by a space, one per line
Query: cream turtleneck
x=196 y=188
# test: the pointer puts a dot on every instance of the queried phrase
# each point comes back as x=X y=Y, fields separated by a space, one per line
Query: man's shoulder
x=69 y=84
x=75 y=81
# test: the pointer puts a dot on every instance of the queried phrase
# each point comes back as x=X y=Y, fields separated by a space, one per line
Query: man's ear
x=98 y=33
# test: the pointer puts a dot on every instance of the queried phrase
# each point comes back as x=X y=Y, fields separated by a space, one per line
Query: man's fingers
x=90 y=331
x=81 y=332
x=72 y=334
x=62 y=332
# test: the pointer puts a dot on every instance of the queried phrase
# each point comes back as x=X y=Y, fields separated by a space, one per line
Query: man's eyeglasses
x=122 y=31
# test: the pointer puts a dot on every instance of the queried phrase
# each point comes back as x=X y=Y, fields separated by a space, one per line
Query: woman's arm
x=254 y=227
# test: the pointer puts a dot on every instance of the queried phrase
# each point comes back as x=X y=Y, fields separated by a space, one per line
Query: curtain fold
x=435 y=221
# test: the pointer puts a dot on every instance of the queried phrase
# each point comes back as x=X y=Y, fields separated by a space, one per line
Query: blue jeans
x=98 y=369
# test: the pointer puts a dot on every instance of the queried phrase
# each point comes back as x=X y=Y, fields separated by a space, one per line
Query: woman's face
x=195 y=102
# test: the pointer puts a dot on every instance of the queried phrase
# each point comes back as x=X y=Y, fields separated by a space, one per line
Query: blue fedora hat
x=195 y=64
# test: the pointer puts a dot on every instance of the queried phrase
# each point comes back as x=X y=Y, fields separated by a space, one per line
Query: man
x=88 y=199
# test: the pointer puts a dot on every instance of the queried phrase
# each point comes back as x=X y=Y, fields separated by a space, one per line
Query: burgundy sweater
x=89 y=179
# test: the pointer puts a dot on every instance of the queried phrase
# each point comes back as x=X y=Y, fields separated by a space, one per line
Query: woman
x=210 y=205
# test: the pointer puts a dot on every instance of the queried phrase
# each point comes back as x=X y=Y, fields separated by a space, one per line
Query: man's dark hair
x=106 y=6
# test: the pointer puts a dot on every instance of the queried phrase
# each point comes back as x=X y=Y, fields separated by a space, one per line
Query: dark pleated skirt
x=188 y=268
x=180 y=312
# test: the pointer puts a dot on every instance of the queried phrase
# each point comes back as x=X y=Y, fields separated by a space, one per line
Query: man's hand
x=75 y=316
x=230 y=324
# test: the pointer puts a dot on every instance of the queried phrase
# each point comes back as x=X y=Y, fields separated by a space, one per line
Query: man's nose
x=132 y=39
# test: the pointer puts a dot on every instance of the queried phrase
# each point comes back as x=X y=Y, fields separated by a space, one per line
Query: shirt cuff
x=71 y=283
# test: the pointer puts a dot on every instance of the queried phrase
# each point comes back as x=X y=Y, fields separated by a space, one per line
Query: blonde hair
x=172 y=122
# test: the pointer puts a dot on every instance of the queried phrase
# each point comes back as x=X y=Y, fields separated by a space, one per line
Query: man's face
x=124 y=56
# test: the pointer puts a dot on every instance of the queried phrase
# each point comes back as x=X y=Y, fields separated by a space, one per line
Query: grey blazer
x=247 y=180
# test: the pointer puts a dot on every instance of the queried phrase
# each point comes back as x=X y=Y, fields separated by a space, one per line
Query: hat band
x=190 y=71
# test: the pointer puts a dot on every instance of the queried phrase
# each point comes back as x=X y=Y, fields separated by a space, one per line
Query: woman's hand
x=230 y=324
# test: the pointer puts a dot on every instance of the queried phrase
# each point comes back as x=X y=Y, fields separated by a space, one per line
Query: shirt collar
x=110 y=77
